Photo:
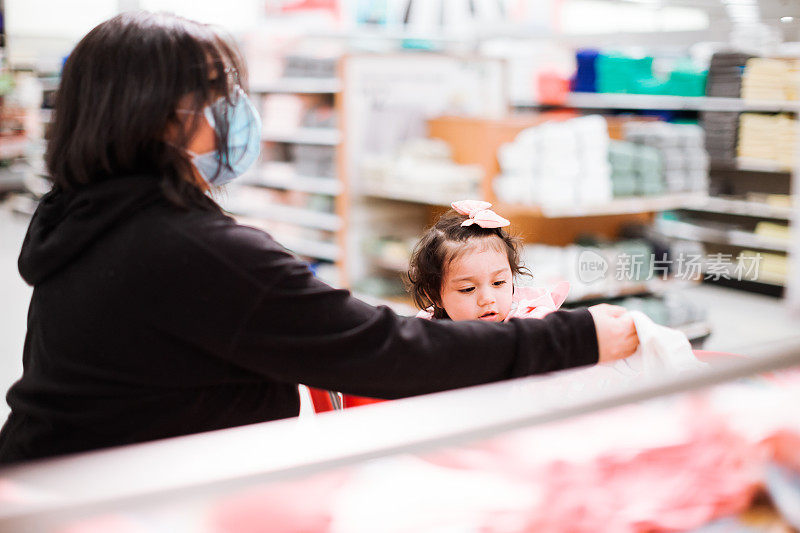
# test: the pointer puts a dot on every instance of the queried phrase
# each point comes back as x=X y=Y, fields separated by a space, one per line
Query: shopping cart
x=325 y=401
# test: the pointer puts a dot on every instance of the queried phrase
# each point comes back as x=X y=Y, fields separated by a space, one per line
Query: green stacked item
x=622 y=156
x=685 y=81
x=650 y=86
x=617 y=73
x=650 y=171
x=635 y=169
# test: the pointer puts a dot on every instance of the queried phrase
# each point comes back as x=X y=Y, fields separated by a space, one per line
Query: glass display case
x=570 y=451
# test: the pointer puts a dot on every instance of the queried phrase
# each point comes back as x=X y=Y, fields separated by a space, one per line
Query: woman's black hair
x=119 y=92
x=435 y=250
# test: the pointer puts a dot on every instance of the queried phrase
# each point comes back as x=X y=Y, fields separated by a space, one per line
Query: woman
x=155 y=315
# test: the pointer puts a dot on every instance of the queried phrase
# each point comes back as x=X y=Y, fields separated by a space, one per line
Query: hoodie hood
x=67 y=223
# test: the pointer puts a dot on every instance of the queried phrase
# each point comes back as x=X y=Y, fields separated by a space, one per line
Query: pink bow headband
x=479 y=213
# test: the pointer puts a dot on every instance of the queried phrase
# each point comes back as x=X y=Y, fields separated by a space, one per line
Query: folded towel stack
x=770 y=79
x=725 y=74
x=767 y=138
x=721 y=129
x=683 y=162
x=557 y=164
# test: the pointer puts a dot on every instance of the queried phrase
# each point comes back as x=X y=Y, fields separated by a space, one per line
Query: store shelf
x=321 y=136
x=765 y=287
x=310 y=184
x=751 y=240
x=299 y=86
x=387 y=264
x=46 y=115
x=686 y=231
x=744 y=164
x=363 y=34
x=655 y=286
x=402 y=305
x=413 y=193
x=11 y=181
x=328 y=251
x=282 y=213
x=309 y=248
x=768 y=279
x=669 y=103
x=744 y=208
x=619 y=206
x=11 y=147
x=761 y=165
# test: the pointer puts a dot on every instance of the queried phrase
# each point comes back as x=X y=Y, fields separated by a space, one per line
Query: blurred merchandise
x=684 y=159
x=725 y=74
x=574 y=162
x=771 y=79
x=619 y=73
x=770 y=139
x=297 y=66
x=585 y=80
x=636 y=169
x=553 y=88
x=596 y=272
x=772 y=268
x=288 y=112
x=721 y=132
x=313 y=160
x=671 y=309
x=557 y=163
x=423 y=167
x=390 y=252
x=773 y=230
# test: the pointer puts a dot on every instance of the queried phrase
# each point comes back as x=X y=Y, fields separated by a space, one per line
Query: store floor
x=739 y=321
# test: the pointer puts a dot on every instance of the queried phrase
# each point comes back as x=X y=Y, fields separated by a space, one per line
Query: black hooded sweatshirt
x=150 y=321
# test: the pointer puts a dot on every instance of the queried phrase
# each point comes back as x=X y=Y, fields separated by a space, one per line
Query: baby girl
x=464 y=267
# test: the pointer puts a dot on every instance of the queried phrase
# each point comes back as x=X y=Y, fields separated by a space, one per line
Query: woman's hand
x=616 y=334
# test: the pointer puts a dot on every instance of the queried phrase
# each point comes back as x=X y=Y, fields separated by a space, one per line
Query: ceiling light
x=787 y=20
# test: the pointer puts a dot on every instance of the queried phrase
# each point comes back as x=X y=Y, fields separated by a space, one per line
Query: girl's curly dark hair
x=444 y=241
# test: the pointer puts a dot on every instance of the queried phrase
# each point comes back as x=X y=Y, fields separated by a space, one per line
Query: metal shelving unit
x=283 y=178
x=298 y=216
x=264 y=177
x=712 y=206
x=742 y=239
x=732 y=206
x=669 y=103
x=299 y=86
x=320 y=136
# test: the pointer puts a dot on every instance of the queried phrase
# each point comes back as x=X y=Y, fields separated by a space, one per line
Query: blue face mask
x=244 y=140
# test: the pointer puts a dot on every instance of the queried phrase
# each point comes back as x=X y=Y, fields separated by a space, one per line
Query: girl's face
x=478 y=283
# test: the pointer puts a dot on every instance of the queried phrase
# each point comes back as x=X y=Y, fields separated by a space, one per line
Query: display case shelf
x=618 y=206
x=744 y=208
x=309 y=184
x=298 y=216
x=299 y=86
x=742 y=239
x=327 y=251
x=668 y=103
x=320 y=136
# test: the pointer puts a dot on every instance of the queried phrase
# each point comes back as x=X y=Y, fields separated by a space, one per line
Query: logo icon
x=591 y=266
